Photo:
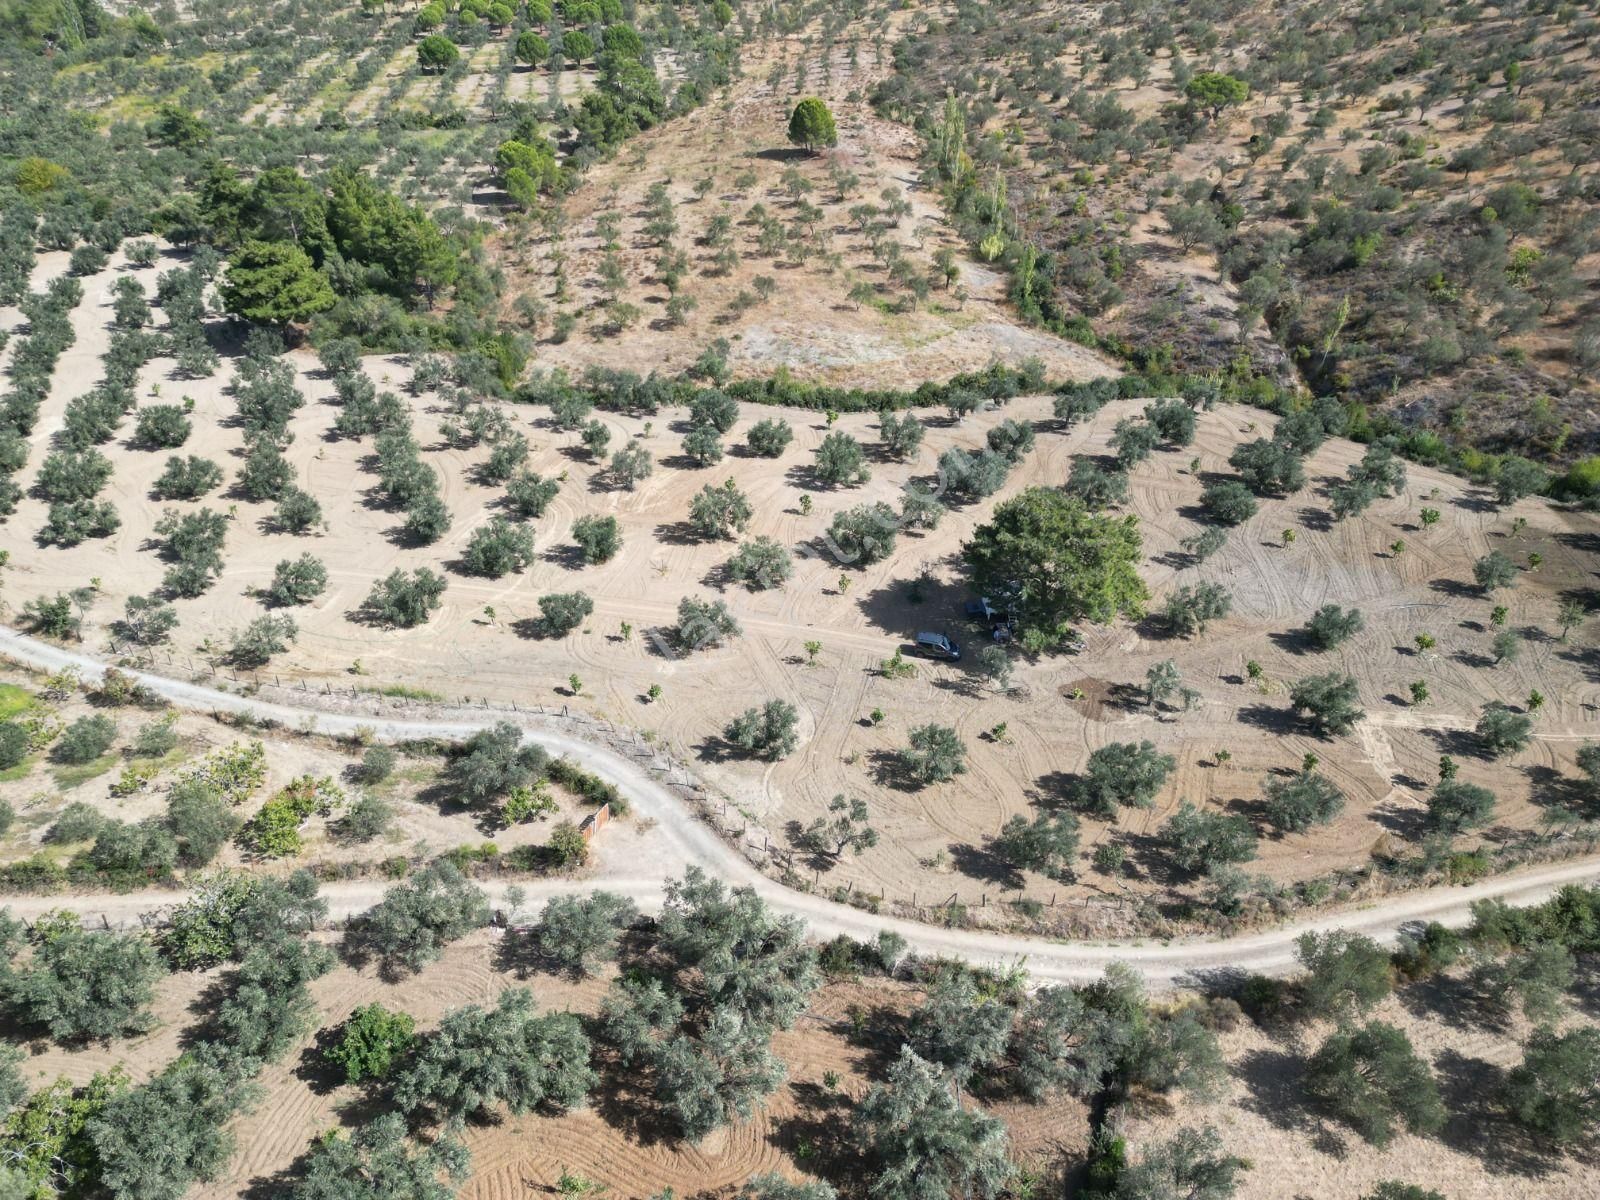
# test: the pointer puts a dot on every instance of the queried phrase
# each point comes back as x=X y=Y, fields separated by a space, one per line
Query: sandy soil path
x=686 y=839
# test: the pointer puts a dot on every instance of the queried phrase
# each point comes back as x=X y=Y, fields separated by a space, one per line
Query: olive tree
x=1552 y=1092
x=769 y=731
x=760 y=563
x=492 y=762
x=1122 y=773
x=720 y=512
x=418 y=917
x=1328 y=702
x=1346 y=972
x=839 y=461
x=580 y=933
x=151 y=1142
x=378 y=1162
x=769 y=438
x=497 y=548
x=562 y=612
x=1330 y=626
x=480 y=1059
x=1191 y=1164
x=1047 y=844
x=1301 y=801
x=405 y=599
x=1494 y=570
x=1456 y=806
x=1371 y=1077
x=597 y=538
x=935 y=754
x=863 y=534
x=919 y=1142
x=1501 y=731
x=1199 y=839
x=1193 y=607
x=703 y=623
x=704 y=1082
x=959 y=1028
x=80 y=985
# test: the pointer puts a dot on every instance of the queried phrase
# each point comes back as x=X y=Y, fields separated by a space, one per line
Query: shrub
x=405 y=599
x=1122 y=773
x=760 y=564
x=201 y=821
x=769 y=438
x=1228 y=502
x=274 y=831
x=14 y=744
x=377 y=764
x=498 y=547
x=371 y=1043
x=77 y=822
x=935 y=755
x=599 y=538
x=297 y=581
x=1329 y=702
x=768 y=732
x=85 y=740
x=562 y=612
x=1331 y=626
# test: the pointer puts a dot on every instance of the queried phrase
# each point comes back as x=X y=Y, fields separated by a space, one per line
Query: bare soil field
x=736 y=150
x=931 y=840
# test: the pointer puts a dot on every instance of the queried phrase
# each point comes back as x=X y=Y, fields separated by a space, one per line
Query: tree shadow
x=566 y=555
x=1292 y=641
x=680 y=533
x=820 y=1136
x=1452 y=1000
x=985 y=866
x=889 y=770
x=1458 y=743
x=1478 y=1124
x=1550 y=789
x=1055 y=791
x=1316 y=520
x=1274 y=1082
x=1408 y=824
x=1475 y=502
x=313 y=1067
x=1271 y=718
x=1456 y=589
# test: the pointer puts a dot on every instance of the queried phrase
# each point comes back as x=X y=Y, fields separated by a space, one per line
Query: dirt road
x=688 y=840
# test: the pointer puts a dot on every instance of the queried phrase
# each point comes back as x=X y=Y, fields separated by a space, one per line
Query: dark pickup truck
x=983 y=610
x=937 y=645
